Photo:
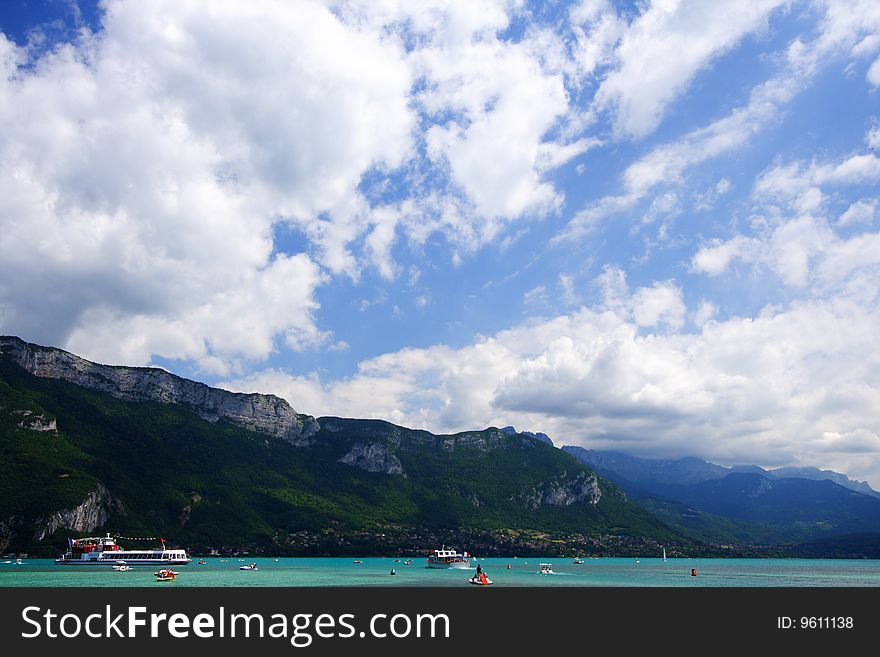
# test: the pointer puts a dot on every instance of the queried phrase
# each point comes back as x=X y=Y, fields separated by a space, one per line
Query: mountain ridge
x=260 y=412
x=119 y=456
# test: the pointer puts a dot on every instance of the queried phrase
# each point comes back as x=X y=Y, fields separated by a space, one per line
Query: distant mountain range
x=743 y=503
x=689 y=470
x=88 y=448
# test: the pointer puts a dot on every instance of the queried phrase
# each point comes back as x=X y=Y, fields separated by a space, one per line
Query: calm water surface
x=375 y=571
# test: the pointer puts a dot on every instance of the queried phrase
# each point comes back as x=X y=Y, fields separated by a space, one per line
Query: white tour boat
x=546 y=569
x=101 y=551
x=444 y=558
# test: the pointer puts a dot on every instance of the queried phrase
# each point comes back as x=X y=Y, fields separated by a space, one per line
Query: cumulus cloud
x=146 y=168
x=503 y=101
x=660 y=303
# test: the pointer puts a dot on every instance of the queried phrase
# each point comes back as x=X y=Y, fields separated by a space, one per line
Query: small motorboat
x=408 y=562
x=166 y=575
x=121 y=566
x=202 y=562
x=480 y=580
x=578 y=561
x=357 y=561
x=250 y=566
x=546 y=569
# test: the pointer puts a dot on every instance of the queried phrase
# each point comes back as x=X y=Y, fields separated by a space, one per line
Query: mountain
x=815 y=508
x=819 y=475
x=138 y=451
x=543 y=437
x=743 y=504
x=642 y=472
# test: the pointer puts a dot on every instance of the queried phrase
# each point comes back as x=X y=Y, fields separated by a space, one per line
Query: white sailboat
x=664 y=554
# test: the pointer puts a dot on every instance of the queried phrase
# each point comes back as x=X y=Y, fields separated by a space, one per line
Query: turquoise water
x=375 y=571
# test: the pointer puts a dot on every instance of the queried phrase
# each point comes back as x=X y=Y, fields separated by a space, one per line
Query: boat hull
x=458 y=565
x=115 y=557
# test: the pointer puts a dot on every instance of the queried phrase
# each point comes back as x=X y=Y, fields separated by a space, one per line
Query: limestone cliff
x=564 y=492
x=262 y=413
x=85 y=517
x=373 y=457
x=92 y=512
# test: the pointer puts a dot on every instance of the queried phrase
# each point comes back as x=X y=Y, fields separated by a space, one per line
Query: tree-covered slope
x=75 y=461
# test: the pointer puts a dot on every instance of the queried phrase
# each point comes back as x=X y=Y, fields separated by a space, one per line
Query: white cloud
x=537 y=295
x=142 y=172
x=860 y=212
x=662 y=51
x=842 y=27
x=569 y=295
x=796 y=385
x=660 y=303
x=714 y=258
x=704 y=313
x=667 y=163
x=873 y=74
x=506 y=104
x=597 y=30
x=791 y=230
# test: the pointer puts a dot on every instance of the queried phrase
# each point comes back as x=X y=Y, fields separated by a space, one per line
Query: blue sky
x=643 y=226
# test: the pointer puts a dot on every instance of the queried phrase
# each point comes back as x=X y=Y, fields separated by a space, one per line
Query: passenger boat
x=100 y=551
x=444 y=558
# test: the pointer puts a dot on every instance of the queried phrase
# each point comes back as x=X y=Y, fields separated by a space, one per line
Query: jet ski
x=480 y=580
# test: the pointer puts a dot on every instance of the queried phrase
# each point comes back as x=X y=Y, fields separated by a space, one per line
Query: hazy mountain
x=818 y=475
x=743 y=504
x=644 y=472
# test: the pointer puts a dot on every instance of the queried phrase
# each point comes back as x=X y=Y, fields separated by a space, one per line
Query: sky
x=646 y=226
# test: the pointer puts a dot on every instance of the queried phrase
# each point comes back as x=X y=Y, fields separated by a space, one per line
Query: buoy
x=693 y=572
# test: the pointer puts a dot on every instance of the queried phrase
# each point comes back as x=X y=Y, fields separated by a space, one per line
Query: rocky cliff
x=564 y=492
x=86 y=516
x=262 y=413
x=92 y=512
x=373 y=457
